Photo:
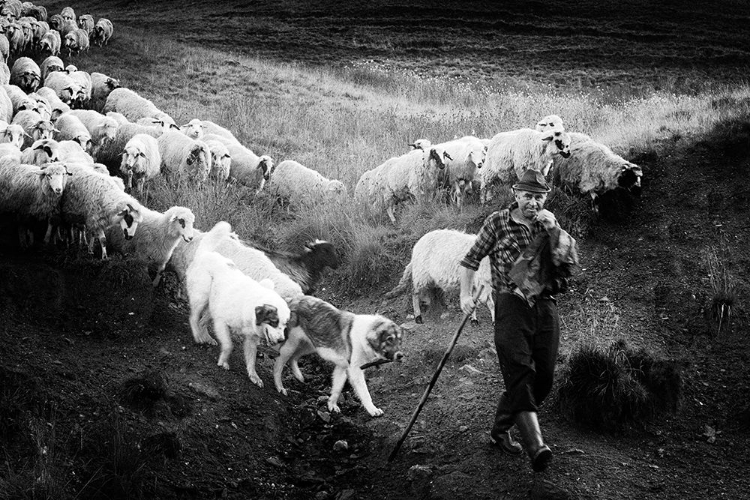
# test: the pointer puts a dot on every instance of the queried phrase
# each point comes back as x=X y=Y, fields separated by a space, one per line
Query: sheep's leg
x=415 y=299
x=91 y=245
x=48 y=233
x=391 y=213
x=103 y=242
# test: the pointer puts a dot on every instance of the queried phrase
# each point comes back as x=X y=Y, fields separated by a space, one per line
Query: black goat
x=306 y=268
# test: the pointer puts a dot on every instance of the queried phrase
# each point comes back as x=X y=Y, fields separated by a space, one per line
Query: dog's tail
x=211 y=240
x=402 y=285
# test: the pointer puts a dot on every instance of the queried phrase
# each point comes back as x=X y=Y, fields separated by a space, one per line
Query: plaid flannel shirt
x=503 y=239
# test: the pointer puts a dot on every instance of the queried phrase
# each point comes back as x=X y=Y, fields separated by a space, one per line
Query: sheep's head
x=561 y=141
x=550 y=122
x=181 y=221
x=14 y=134
x=107 y=130
x=337 y=190
x=128 y=217
x=266 y=166
x=67 y=14
x=43 y=129
x=55 y=22
x=54 y=176
x=423 y=144
x=47 y=146
x=84 y=141
x=71 y=42
x=323 y=254
x=112 y=84
x=477 y=156
x=630 y=178
x=438 y=156
x=193 y=129
x=221 y=163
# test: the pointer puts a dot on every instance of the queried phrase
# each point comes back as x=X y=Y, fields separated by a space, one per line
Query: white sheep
x=76 y=41
x=83 y=79
x=103 y=129
x=221 y=160
x=4 y=48
x=6 y=106
x=43 y=106
x=35 y=127
x=467 y=155
x=19 y=98
x=401 y=178
x=303 y=186
x=594 y=169
x=12 y=151
x=102 y=32
x=31 y=191
x=70 y=127
x=157 y=236
x=57 y=107
x=12 y=134
x=26 y=74
x=65 y=88
x=510 y=153
x=111 y=153
x=131 y=105
x=193 y=129
x=141 y=160
x=41 y=152
x=68 y=14
x=16 y=39
x=86 y=22
x=549 y=122
x=210 y=127
x=72 y=152
x=93 y=199
x=246 y=167
x=435 y=263
x=117 y=116
x=40 y=29
x=250 y=261
x=51 y=43
x=11 y=9
x=182 y=155
x=4 y=74
x=101 y=86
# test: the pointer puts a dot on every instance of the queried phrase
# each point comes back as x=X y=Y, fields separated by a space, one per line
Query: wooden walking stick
x=434 y=378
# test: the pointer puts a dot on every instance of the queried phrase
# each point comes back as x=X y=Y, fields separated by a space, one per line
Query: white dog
x=348 y=340
x=235 y=302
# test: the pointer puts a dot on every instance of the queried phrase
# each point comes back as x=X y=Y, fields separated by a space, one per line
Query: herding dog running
x=346 y=339
x=235 y=302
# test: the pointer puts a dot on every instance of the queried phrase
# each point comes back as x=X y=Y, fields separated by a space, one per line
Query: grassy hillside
x=100 y=379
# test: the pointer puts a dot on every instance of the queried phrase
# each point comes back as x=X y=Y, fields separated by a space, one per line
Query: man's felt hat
x=532 y=181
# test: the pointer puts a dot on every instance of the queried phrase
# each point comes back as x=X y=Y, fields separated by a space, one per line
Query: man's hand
x=467 y=304
x=547 y=219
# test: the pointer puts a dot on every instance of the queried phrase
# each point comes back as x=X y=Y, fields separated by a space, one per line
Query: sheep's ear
x=130 y=207
x=47 y=150
x=548 y=136
x=172 y=125
x=446 y=156
x=173 y=218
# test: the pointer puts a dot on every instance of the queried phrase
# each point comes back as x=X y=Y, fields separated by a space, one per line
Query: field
x=104 y=395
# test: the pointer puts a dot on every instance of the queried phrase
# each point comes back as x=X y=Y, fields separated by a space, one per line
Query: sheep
x=4 y=48
x=103 y=129
x=549 y=122
x=26 y=74
x=41 y=152
x=249 y=260
x=70 y=127
x=19 y=98
x=68 y=14
x=4 y=74
x=31 y=191
x=83 y=79
x=131 y=105
x=413 y=175
x=40 y=29
x=86 y=23
x=594 y=169
x=221 y=160
x=34 y=125
x=117 y=116
x=27 y=29
x=55 y=21
x=141 y=160
x=510 y=153
x=93 y=199
x=38 y=12
x=57 y=107
x=303 y=186
x=49 y=65
x=111 y=153
x=182 y=155
x=467 y=156
x=76 y=40
x=72 y=152
x=65 y=28
x=157 y=237
x=12 y=133
x=162 y=120
x=435 y=263
x=6 y=106
x=51 y=43
x=246 y=167
x=305 y=268
x=11 y=9
x=210 y=127
x=43 y=106
x=193 y=129
x=16 y=39
x=102 y=32
x=65 y=88
x=101 y=86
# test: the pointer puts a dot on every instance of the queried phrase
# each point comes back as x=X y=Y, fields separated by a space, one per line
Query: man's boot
x=528 y=426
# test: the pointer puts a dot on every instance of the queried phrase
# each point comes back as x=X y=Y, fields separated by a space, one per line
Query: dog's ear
x=293 y=321
x=267 y=314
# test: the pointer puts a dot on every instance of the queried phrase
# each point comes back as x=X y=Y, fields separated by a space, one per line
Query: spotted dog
x=348 y=340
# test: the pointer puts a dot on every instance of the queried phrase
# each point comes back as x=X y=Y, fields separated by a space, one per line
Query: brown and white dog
x=346 y=339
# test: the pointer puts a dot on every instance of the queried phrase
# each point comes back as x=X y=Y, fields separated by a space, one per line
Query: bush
x=614 y=387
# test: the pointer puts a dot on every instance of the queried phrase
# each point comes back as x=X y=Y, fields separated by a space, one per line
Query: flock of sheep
x=77 y=149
